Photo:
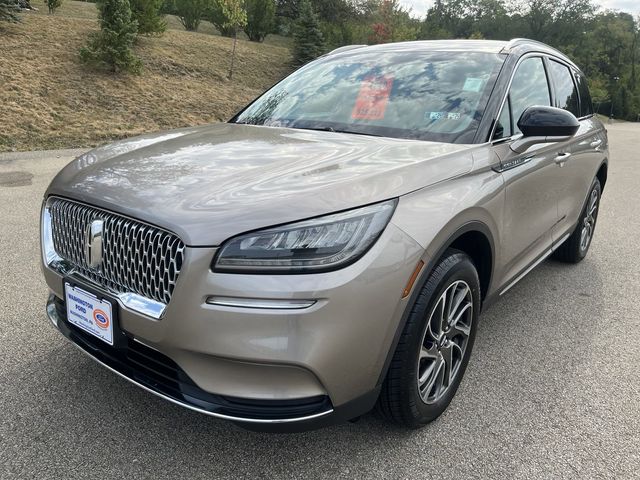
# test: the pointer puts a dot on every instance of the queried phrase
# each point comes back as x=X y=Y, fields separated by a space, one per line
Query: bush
x=308 y=39
x=147 y=14
x=191 y=12
x=261 y=16
x=53 y=5
x=111 y=47
x=9 y=11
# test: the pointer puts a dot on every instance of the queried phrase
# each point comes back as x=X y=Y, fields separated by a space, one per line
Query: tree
x=191 y=12
x=393 y=24
x=260 y=19
x=111 y=47
x=235 y=19
x=9 y=11
x=147 y=14
x=216 y=15
x=308 y=39
x=53 y=5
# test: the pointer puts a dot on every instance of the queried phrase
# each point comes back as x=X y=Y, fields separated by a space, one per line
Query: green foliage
x=308 y=38
x=605 y=44
x=9 y=10
x=216 y=15
x=261 y=16
x=191 y=12
x=235 y=18
x=392 y=23
x=53 y=5
x=147 y=14
x=111 y=47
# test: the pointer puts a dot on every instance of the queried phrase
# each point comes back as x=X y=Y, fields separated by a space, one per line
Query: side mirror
x=544 y=125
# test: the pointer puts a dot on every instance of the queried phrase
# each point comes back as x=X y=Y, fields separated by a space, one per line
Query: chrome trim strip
x=542 y=258
x=53 y=317
x=259 y=303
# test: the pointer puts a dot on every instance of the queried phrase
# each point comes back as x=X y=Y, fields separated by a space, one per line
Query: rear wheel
x=575 y=248
x=435 y=345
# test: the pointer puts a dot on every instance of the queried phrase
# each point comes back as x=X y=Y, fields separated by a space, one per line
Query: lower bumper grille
x=159 y=374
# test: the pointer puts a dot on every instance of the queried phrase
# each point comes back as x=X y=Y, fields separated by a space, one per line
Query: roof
x=487 y=46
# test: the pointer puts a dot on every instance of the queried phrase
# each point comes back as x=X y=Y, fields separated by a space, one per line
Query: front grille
x=136 y=257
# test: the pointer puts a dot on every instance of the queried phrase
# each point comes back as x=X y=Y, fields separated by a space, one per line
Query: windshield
x=437 y=96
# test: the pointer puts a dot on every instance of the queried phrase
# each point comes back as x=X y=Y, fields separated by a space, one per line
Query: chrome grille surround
x=137 y=258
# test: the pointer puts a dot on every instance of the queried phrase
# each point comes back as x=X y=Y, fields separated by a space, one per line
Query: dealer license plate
x=86 y=311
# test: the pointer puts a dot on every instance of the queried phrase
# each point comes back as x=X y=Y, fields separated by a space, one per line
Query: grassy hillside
x=50 y=100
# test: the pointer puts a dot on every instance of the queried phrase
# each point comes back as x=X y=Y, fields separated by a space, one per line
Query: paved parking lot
x=552 y=391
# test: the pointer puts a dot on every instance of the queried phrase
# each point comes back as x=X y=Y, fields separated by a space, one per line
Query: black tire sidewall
x=458 y=266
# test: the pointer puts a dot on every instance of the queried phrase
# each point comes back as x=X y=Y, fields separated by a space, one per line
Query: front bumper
x=267 y=368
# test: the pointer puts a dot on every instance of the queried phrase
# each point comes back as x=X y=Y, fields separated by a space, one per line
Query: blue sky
x=419 y=7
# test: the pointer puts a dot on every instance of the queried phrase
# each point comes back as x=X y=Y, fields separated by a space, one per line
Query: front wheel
x=575 y=248
x=435 y=345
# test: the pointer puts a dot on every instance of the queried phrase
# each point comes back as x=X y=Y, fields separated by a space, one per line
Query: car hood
x=209 y=183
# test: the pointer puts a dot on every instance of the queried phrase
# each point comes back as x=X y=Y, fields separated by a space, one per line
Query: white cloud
x=419 y=7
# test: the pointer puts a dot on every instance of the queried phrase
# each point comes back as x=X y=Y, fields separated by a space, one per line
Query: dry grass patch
x=48 y=99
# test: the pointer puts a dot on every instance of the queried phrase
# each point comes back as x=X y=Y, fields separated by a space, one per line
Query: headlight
x=321 y=244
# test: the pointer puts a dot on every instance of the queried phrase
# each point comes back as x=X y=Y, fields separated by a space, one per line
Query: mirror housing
x=540 y=124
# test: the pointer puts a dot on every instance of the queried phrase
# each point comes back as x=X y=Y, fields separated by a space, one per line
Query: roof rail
x=514 y=42
x=346 y=48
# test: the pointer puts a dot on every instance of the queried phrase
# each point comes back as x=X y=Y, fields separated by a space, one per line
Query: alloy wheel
x=445 y=341
x=589 y=221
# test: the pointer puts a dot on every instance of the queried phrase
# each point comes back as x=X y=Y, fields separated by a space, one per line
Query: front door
x=531 y=179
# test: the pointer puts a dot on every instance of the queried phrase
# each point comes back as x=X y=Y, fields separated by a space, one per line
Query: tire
x=413 y=393
x=575 y=248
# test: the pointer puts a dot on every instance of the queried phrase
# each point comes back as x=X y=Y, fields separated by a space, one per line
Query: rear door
x=584 y=155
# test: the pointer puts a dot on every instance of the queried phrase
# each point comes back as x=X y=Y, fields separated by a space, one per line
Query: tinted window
x=586 y=107
x=565 y=89
x=437 y=96
x=528 y=88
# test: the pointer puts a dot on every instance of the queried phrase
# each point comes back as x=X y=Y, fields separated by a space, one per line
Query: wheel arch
x=602 y=174
x=464 y=238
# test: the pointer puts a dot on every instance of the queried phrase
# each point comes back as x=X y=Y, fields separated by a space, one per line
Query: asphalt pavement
x=552 y=390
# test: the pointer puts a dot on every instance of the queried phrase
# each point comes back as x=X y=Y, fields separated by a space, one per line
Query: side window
x=503 y=126
x=586 y=107
x=565 y=89
x=528 y=88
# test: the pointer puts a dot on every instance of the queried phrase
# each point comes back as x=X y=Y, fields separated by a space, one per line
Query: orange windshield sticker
x=373 y=98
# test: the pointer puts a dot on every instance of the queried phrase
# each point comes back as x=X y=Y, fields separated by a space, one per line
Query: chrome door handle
x=595 y=144
x=562 y=158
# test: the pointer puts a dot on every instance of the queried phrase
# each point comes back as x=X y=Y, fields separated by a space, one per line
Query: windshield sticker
x=373 y=98
x=442 y=115
x=473 y=84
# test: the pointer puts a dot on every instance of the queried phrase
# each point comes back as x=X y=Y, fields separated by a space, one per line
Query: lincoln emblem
x=93 y=245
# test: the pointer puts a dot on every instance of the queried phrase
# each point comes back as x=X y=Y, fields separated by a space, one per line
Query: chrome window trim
x=504 y=98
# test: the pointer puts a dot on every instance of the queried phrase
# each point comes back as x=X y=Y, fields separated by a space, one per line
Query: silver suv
x=331 y=247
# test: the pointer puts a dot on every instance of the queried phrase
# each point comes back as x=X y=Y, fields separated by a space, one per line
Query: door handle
x=562 y=158
x=595 y=144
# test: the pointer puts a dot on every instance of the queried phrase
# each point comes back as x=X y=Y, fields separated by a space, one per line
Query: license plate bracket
x=93 y=312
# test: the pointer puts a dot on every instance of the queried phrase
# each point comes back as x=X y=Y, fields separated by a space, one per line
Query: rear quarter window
x=586 y=106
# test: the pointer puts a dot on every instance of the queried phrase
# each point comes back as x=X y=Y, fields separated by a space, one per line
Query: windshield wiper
x=336 y=130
